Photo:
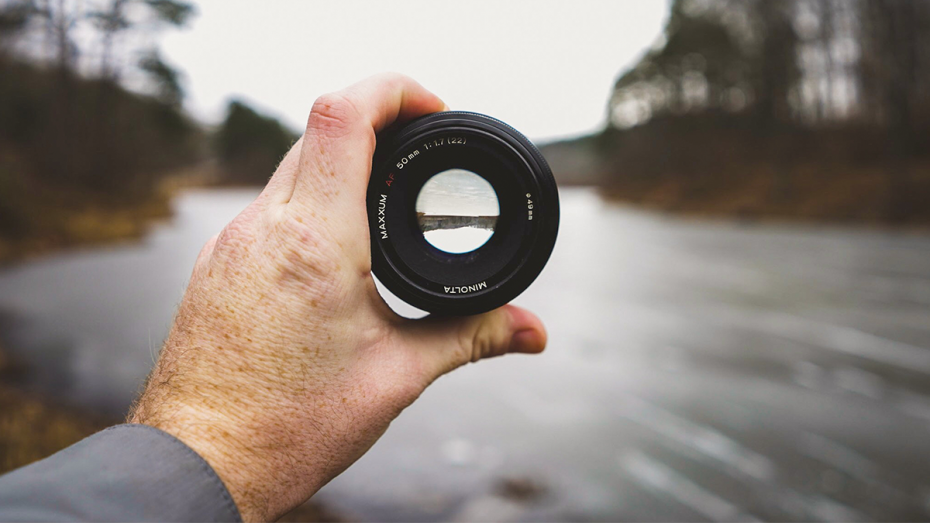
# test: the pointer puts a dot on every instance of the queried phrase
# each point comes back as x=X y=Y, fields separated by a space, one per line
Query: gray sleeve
x=124 y=473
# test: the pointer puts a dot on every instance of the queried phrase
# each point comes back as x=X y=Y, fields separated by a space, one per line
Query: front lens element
x=457 y=211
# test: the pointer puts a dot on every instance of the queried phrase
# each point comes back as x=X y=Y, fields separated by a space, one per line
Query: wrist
x=246 y=460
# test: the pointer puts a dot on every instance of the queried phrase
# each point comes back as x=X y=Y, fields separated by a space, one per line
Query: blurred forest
x=92 y=134
x=799 y=109
x=250 y=145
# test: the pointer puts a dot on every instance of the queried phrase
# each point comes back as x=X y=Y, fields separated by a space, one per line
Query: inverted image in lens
x=457 y=211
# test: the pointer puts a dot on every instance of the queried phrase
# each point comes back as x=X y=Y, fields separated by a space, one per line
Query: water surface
x=695 y=371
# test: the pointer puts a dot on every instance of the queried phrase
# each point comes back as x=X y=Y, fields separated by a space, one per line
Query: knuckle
x=485 y=340
x=466 y=340
x=394 y=78
x=474 y=343
x=304 y=255
x=302 y=231
x=241 y=232
x=234 y=237
x=332 y=113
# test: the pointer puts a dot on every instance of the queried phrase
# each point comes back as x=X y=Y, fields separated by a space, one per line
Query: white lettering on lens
x=404 y=160
x=443 y=141
x=382 y=205
x=466 y=289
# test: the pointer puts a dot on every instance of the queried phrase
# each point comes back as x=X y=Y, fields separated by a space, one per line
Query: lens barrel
x=524 y=233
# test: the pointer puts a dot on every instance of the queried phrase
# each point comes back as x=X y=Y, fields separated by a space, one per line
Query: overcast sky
x=545 y=67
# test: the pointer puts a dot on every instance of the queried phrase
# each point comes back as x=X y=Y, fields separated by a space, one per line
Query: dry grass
x=60 y=223
x=730 y=166
x=31 y=429
x=861 y=196
x=61 y=220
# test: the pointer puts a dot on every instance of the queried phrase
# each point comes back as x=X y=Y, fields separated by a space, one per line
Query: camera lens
x=463 y=212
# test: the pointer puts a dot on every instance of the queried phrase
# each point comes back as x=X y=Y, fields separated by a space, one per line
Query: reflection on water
x=457 y=211
x=694 y=371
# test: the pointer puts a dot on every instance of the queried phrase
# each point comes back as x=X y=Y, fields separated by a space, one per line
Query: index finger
x=340 y=137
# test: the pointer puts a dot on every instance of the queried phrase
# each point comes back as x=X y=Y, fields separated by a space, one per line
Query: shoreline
x=71 y=225
x=87 y=228
x=663 y=199
x=700 y=214
x=96 y=225
x=33 y=427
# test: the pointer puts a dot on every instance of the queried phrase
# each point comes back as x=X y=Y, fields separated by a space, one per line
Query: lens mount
x=523 y=236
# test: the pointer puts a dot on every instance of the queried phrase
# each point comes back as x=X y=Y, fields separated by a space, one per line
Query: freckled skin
x=283 y=365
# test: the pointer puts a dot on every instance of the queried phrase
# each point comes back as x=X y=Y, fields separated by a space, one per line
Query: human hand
x=284 y=365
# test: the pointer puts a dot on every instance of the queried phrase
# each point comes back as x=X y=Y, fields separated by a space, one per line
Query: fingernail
x=527 y=340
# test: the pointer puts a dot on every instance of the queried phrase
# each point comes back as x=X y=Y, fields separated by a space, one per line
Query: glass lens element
x=457 y=211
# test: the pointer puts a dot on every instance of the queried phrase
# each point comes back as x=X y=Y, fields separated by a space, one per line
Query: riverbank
x=721 y=166
x=88 y=224
x=32 y=427
x=59 y=220
x=862 y=198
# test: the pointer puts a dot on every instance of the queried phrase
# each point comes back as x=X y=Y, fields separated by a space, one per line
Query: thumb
x=443 y=344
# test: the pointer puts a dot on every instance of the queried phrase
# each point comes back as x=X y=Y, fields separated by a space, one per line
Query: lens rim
x=520 y=246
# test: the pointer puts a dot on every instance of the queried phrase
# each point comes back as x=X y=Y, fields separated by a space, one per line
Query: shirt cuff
x=124 y=473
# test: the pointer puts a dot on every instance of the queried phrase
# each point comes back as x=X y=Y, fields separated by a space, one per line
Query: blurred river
x=695 y=371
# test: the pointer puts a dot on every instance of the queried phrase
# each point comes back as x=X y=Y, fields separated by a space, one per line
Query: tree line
x=92 y=114
x=810 y=62
x=799 y=95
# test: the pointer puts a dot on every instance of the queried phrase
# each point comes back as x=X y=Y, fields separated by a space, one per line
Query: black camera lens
x=463 y=212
